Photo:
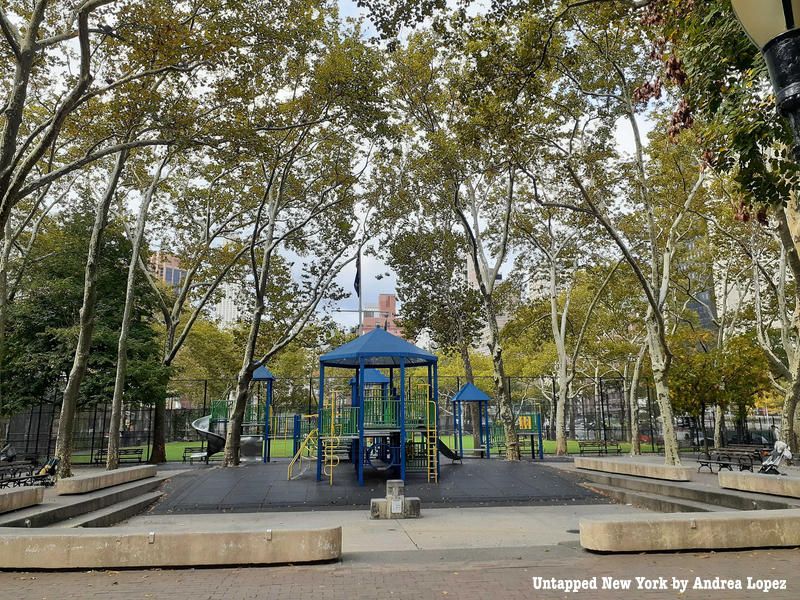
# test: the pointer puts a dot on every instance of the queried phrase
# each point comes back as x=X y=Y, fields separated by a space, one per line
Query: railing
x=346 y=421
x=308 y=445
x=379 y=412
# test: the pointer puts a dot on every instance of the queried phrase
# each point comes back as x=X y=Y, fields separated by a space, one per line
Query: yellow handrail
x=311 y=435
x=331 y=442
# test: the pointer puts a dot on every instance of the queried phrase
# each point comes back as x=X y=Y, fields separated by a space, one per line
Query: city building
x=383 y=315
x=167 y=268
x=230 y=308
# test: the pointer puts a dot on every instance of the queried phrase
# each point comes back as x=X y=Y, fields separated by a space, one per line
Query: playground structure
x=471 y=395
x=213 y=428
x=491 y=434
x=378 y=425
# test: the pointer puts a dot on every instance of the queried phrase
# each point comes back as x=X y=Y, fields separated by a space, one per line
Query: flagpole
x=357 y=286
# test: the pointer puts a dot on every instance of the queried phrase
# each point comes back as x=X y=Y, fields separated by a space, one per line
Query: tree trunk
x=245 y=377
x=158 y=452
x=86 y=327
x=112 y=460
x=633 y=402
x=4 y=256
x=658 y=357
x=234 y=433
x=789 y=413
x=561 y=410
x=502 y=392
x=719 y=425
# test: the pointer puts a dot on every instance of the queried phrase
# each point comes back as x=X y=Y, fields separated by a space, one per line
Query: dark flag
x=357 y=281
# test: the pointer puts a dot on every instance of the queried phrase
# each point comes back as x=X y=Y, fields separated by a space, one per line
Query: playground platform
x=264 y=488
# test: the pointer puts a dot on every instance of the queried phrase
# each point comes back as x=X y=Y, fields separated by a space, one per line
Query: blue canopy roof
x=469 y=393
x=378 y=348
x=262 y=373
x=372 y=376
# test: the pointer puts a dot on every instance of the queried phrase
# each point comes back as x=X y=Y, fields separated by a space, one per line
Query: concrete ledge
x=23 y=497
x=637 y=469
x=136 y=548
x=776 y=485
x=81 y=484
x=692 y=531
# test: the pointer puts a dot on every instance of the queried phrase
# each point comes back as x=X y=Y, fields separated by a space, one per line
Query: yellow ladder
x=308 y=447
x=331 y=443
x=431 y=441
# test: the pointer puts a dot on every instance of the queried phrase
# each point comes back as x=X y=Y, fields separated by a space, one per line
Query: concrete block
x=692 y=531
x=776 y=485
x=637 y=469
x=89 y=482
x=382 y=508
x=396 y=505
x=16 y=498
x=24 y=549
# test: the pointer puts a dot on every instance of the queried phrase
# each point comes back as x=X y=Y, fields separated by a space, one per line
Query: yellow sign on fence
x=525 y=422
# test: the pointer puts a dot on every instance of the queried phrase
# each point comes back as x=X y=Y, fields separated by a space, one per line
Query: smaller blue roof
x=469 y=393
x=372 y=376
x=262 y=373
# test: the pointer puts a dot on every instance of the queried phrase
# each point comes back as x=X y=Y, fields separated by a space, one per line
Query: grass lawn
x=283 y=448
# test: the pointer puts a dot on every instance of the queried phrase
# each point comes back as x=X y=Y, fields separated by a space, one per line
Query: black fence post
x=550 y=412
x=150 y=432
x=94 y=429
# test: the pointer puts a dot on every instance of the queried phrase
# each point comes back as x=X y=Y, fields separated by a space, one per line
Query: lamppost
x=773 y=27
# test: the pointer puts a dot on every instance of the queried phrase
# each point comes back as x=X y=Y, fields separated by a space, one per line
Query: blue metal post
x=319 y=420
x=267 y=410
x=459 y=416
x=361 y=406
x=539 y=429
x=403 y=418
x=435 y=384
x=488 y=430
x=296 y=434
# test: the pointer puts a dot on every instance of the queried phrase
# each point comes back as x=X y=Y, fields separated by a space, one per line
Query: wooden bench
x=192 y=452
x=125 y=455
x=598 y=447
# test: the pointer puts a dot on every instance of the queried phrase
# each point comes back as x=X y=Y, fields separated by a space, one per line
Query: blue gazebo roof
x=378 y=348
x=373 y=377
x=469 y=393
x=262 y=373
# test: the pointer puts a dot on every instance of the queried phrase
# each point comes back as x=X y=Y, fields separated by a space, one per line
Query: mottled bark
x=86 y=323
x=660 y=362
x=112 y=460
x=633 y=401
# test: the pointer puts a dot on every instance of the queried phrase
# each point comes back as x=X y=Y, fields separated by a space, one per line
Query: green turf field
x=283 y=448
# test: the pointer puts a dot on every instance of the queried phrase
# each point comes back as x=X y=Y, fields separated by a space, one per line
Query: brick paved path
x=492 y=574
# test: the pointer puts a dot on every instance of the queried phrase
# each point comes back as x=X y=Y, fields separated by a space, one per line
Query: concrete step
x=654 y=502
x=61 y=508
x=111 y=515
x=691 y=491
